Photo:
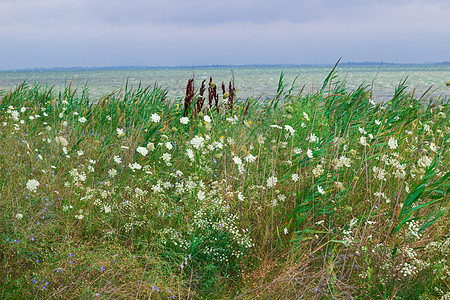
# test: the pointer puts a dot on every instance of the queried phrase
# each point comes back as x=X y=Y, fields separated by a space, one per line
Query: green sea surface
x=250 y=81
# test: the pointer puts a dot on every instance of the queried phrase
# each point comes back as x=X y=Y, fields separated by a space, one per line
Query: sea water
x=250 y=81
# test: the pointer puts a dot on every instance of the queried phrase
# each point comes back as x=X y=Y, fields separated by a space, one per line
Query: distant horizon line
x=138 y=67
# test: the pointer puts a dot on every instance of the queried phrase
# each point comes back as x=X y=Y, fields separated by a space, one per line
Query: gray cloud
x=39 y=33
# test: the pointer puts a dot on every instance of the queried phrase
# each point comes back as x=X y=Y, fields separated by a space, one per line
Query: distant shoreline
x=218 y=66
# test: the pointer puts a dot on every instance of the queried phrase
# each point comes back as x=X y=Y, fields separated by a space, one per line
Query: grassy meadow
x=313 y=195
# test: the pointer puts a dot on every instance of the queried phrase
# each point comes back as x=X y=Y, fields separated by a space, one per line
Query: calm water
x=250 y=81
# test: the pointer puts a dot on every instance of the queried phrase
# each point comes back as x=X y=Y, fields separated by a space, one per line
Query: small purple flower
x=102 y=269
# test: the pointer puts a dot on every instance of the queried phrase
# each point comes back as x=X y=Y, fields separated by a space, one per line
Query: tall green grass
x=319 y=195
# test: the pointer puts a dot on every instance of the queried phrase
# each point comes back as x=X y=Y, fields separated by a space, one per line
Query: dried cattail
x=200 y=99
x=210 y=92
x=231 y=91
x=189 y=97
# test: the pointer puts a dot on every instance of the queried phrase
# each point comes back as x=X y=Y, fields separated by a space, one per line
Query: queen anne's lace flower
x=272 y=181
x=184 y=120
x=392 y=143
x=143 y=151
x=197 y=142
x=32 y=185
x=155 y=118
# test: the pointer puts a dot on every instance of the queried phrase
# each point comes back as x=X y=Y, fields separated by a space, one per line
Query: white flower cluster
x=408 y=269
x=134 y=166
x=414 y=229
x=197 y=142
x=424 y=162
x=141 y=150
x=272 y=181
x=32 y=185
x=342 y=161
x=379 y=173
x=77 y=176
x=318 y=170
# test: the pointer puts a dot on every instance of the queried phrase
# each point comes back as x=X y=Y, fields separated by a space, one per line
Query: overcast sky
x=87 y=33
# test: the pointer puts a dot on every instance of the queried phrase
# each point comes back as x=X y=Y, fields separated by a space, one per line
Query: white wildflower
x=237 y=160
x=207 y=119
x=260 y=138
x=290 y=129
x=379 y=173
x=250 y=158
x=15 y=114
x=305 y=115
x=120 y=132
x=32 y=185
x=197 y=142
x=318 y=170
x=166 y=157
x=363 y=141
x=201 y=195
x=272 y=181
x=184 y=120
x=135 y=166
x=190 y=154
x=143 y=151
x=361 y=130
x=320 y=190
x=117 y=159
x=295 y=177
x=313 y=138
x=82 y=120
x=309 y=153
x=112 y=172
x=155 y=118
x=62 y=141
x=240 y=196
x=392 y=143
x=107 y=209
x=433 y=147
x=156 y=188
x=150 y=146
x=424 y=162
x=139 y=192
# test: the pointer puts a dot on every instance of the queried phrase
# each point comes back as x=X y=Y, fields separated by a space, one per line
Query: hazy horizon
x=287 y=65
